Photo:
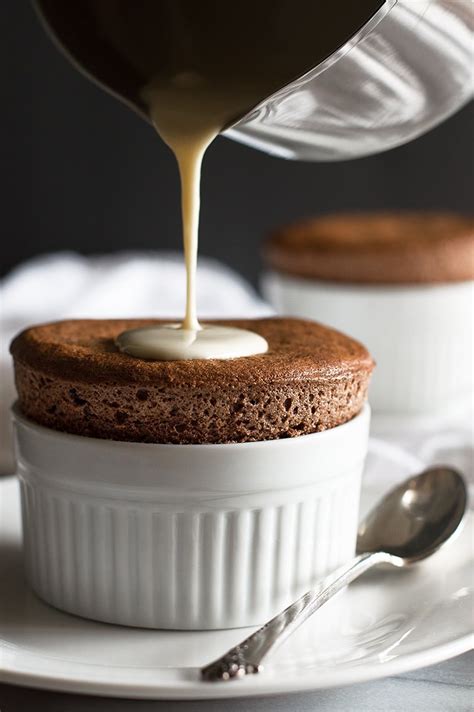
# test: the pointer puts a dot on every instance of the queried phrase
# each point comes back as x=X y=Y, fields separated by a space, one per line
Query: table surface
x=446 y=687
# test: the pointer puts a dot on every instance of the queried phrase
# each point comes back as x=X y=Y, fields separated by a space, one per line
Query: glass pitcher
x=354 y=78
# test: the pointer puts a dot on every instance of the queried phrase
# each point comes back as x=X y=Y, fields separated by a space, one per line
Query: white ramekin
x=186 y=536
x=421 y=338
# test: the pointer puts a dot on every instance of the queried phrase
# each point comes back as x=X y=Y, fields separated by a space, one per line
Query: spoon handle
x=246 y=658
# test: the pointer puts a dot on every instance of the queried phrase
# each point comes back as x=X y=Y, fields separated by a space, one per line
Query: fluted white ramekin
x=186 y=536
x=420 y=336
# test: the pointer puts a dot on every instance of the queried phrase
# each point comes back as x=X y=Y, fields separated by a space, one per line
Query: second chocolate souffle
x=402 y=283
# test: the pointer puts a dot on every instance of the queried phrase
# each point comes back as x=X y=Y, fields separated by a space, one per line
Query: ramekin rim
x=373 y=287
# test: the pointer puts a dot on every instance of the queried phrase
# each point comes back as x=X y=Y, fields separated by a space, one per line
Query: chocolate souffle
x=71 y=377
x=376 y=248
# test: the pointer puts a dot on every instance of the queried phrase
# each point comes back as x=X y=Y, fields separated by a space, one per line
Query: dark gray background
x=82 y=172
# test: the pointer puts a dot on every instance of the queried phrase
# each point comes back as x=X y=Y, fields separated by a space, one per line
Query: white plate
x=385 y=624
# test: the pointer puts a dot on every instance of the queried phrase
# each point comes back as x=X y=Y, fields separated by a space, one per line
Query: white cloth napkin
x=129 y=284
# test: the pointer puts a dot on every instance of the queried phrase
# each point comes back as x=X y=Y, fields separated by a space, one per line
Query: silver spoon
x=409 y=524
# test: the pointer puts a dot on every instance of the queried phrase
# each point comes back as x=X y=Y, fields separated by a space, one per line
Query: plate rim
x=249 y=687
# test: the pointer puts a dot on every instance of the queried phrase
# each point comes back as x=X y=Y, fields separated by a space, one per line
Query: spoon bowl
x=412 y=521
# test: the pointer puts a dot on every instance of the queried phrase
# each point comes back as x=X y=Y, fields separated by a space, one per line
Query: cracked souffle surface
x=71 y=377
x=376 y=248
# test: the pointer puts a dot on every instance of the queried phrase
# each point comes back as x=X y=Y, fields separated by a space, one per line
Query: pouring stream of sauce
x=188 y=114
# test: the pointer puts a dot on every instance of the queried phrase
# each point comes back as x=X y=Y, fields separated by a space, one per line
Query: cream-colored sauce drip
x=188 y=115
x=175 y=343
